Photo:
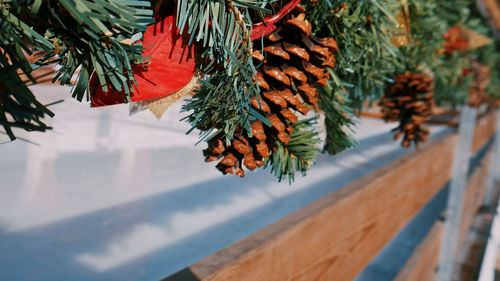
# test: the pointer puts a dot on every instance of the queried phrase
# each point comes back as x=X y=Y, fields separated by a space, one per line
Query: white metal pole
x=461 y=160
x=487 y=272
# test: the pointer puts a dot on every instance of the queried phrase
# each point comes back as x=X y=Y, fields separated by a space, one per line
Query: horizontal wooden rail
x=335 y=237
x=423 y=263
x=474 y=195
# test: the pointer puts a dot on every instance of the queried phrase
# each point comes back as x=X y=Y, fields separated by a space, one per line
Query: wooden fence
x=336 y=237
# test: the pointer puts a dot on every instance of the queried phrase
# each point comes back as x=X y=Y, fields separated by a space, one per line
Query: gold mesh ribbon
x=403 y=18
x=159 y=105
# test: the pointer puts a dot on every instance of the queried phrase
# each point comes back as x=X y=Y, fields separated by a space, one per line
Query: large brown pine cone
x=409 y=102
x=291 y=64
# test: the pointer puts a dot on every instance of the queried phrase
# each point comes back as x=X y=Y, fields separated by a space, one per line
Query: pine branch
x=333 y=19
x=215 y=109
x=296 y=156
x=430 y=20
x=94 y=36
x=18 y=106
x=223 y=29
x=366 y=58
x=338 y=118
x=451 y=84
x=492 y=58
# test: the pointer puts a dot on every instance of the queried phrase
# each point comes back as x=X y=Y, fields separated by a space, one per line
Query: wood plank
x=435 y=121
x=337 y=236
x=42 y=75
x=423 y=262
x=485 y=129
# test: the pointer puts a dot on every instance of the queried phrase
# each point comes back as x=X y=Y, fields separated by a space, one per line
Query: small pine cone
x=409 y=101
x=292 y=63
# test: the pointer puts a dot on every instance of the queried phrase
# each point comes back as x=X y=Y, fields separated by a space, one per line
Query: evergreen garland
x=431 y=21
x=365 y=61
x=339 y=124
x=366 y=58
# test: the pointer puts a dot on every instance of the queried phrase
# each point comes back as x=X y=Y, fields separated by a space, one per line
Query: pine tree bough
x=409 y=102
x=366 y=58
x=74 y=34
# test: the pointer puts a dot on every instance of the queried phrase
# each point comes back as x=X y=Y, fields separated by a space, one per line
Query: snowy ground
x=108 y=196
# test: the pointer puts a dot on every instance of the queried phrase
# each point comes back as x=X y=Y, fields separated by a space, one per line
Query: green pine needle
x=296 y=156
x=89 y=35
x=223 y=28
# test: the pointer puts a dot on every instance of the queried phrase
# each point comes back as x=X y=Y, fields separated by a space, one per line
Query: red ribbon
x=268 y=26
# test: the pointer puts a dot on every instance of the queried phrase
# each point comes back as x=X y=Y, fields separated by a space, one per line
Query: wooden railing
x=336 y=237
x=422 y=265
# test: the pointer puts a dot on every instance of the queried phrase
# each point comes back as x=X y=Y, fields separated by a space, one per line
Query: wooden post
x=458 y=185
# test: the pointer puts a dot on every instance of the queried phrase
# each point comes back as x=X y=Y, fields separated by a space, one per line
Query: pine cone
x=409 y=102
x=291 y=64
